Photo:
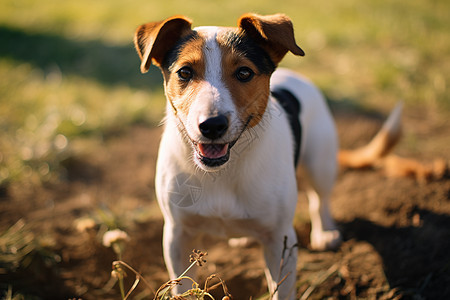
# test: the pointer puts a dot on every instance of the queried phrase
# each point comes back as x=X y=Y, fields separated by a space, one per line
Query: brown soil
x=397 y=231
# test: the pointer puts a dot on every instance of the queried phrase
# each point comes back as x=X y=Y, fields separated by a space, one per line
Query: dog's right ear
x=153 y=40
x=275 y=33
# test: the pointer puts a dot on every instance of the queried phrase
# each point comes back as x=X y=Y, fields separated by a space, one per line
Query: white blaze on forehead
x=213 y=54
x=216 y=95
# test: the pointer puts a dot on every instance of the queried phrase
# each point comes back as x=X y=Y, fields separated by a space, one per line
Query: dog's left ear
x=154 y=40
x=275 y=34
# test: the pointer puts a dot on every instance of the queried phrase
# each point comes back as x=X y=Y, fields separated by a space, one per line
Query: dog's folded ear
x=274 y=33
x=154 y=40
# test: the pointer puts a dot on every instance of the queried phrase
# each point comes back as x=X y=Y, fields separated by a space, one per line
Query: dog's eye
x=185 y=73
x=244 y=74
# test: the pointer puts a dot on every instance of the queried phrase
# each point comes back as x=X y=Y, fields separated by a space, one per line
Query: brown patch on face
x=250 y=97
x=181 y=92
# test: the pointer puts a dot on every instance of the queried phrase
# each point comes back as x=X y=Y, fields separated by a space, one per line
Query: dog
x=235 y=129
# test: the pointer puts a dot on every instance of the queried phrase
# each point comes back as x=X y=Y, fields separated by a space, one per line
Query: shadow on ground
x=410 y=253
x=94 y=59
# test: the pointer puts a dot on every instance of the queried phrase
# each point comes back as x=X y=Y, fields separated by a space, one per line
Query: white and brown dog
x=234 y=131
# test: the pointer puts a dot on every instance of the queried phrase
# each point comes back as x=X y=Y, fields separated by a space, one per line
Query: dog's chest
x=224 y=208
x=216 y=200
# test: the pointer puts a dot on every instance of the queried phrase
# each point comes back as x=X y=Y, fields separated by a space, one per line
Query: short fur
x=226 y=164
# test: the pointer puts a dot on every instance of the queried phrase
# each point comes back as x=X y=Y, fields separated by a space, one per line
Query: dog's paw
x=325 y=240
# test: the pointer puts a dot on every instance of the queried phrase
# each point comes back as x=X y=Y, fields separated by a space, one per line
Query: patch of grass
x=25 y=259
x=19 y=247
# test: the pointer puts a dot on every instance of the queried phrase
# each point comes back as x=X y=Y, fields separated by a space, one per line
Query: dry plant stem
x=136 y=273
x=280 y=282
x=165 y=288
x=333 y=269
x=188 y=268
x=171 y=283
x=224 y=286
x=197 y=257
x=133 y=287
x=282 y=265
x=122 y=289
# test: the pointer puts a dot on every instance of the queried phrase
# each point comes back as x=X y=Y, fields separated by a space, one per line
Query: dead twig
x=138 y=276
x=321 y=279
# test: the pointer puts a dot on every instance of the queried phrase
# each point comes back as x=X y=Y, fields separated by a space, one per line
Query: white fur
x=255 y=192
x=213 y=97
x=318 y=155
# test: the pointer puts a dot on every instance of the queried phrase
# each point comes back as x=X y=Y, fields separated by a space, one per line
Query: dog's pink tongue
x=213 y=150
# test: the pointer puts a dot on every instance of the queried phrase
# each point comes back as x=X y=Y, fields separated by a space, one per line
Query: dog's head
x=216 y=78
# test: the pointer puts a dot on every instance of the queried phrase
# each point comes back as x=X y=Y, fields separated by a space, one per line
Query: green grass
x=69 y=69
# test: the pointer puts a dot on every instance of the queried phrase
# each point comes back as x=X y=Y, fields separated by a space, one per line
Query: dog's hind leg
x=324 y=234
x=321 y=168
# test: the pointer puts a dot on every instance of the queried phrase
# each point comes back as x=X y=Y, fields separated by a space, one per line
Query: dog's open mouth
x=213 y=151
x=213 y=155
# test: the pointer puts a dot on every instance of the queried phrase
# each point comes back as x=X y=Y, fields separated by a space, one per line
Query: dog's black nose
x=214 y=128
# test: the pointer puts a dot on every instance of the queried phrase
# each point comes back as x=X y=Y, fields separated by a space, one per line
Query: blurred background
x=69 y=68
x=70 y=86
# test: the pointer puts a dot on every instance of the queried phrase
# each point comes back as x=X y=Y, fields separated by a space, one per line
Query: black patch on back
x=246 y=46
x=292 y=107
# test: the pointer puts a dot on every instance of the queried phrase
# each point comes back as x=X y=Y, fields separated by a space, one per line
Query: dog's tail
x=378 y=147
x=377 y=154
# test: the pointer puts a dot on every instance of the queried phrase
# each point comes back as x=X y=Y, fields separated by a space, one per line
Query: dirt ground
x=396 y=230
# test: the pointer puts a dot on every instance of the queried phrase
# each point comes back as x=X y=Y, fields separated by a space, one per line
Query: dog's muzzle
x=213 y=154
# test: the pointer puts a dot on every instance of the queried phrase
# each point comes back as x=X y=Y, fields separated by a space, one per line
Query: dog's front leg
x=177 y=245
x=281 y=260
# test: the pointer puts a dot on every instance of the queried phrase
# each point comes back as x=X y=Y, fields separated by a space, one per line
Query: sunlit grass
x=69 y=69
x=25 y=257
x=43 y=111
